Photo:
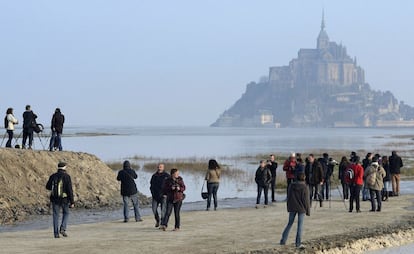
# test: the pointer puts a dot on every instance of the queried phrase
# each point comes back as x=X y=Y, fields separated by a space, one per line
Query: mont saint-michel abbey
x=322 y=87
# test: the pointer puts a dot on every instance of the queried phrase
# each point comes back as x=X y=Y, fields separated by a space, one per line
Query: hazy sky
x=178 y=62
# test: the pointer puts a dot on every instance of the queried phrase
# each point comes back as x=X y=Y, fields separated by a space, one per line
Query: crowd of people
x=306 y=180
x=30 y=126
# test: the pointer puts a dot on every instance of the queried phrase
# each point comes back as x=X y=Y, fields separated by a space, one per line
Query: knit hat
x=62 y=165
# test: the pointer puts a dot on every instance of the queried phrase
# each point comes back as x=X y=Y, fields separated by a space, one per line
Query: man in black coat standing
x=395 y=169
x=129 y=190
x=61 y=197
x=58 y=120
x=157 y=184
x=29 y=121
x=272 y=165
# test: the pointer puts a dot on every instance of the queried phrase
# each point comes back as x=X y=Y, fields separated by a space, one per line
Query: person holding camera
x=11 y=121
x=29 y=122
x=173 y=191
x=289 y=167
x=213 y=182
x=263 y=179
x=272 y=165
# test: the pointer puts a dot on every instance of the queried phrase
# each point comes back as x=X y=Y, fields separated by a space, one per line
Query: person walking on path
x=29 y=122
x=395 y=168
x=156 y=186
x=173 y=190
x=58 y=119
x=213 y=182
x=374 y=176
x=272 y=164
x=356 y=185
x=11 y=121
x=263 y=179
x=129 y=190
x=61 y=197
x=298 y=203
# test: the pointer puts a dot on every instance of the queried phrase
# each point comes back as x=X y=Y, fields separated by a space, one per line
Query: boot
x=320 y=202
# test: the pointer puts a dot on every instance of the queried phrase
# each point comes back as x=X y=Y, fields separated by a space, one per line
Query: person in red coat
x=356 y=185
x=289 y=167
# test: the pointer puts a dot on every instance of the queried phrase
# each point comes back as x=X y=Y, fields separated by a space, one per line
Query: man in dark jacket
x=298 y=202
x=263 y=179
x=272 y=165
x=58 y=120
x=129 y=190
x=157 y=184
x=29 y=121
x=314 y=178
x=61 y=197
x=395 y=169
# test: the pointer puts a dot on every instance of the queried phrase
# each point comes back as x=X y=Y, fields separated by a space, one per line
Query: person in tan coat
x=213 y=182
x=374 y=176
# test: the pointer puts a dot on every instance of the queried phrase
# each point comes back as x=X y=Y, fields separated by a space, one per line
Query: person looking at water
x=298 y=203
x=395 y=168
x=314 y=178
x=289 y=167
x=173 y=191
x=213 y=182
x=343 y=166
x=61 y=197
x=156 y=185
x=129 y=190
x=263 y=178
x=356 y=184
x=272 y=165
x=11 y=121
x=58 y=119
x=29 y=121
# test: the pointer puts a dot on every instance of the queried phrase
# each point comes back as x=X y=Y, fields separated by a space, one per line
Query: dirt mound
x=24 y=173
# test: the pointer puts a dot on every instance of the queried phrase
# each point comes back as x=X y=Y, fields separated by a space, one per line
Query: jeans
x=285 y=234
x=325 y=189
x=9 y=141
x=56 y=209
x=177 y=208
x=314 y=192
x=27 y=133
x=345 y=190
x=377 y=194
x=55 y=141
x=134 y=199
x=212 y=189
x=265 y=189
x=365 y=193
x=155 y=205
x=289 y=181
x=395 y=184
x=273 y=187
x=355 y=191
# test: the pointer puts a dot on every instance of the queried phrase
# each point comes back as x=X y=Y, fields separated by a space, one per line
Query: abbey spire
x=323 y=39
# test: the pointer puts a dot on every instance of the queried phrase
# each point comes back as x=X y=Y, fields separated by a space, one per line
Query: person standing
x=387 y=178
x=298 y=203
x=156 y=185
x=314 y=178
x=343 y=166
x=263 y=179
x=173 y=190
x=289 y=167
x=213 y=182
x=58 y=119
x=11 y=121
x=129 y=190
x=365 y=164
x=61 y=197
x=395 y=168
x=356 y=185
x=29 y=121
x=272 y=165
x=374 y=176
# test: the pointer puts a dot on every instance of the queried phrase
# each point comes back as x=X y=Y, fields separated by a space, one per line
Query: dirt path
x=223 y=231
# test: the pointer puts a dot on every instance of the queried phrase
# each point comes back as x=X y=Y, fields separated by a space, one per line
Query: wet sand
x=244 y=230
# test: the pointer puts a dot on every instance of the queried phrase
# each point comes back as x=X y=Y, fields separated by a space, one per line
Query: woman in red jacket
x=356 y=185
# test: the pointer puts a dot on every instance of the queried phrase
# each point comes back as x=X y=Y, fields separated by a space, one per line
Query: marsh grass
x=116 y=165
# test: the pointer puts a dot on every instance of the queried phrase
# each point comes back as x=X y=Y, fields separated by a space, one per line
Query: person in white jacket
x=11 y=121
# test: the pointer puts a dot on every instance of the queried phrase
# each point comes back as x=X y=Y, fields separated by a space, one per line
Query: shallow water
x=405 y=249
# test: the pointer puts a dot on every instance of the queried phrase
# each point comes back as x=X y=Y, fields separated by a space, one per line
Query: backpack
x=349 y=176
x=6 y=122
x=57 y=188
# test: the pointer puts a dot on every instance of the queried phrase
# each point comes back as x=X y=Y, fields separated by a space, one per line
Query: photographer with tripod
x=29 y=122
x=9 y=123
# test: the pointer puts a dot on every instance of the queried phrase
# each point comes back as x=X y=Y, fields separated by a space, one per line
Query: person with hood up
x=129 y=190
x=58 y=119
x=298 y=203
x=374 y=175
